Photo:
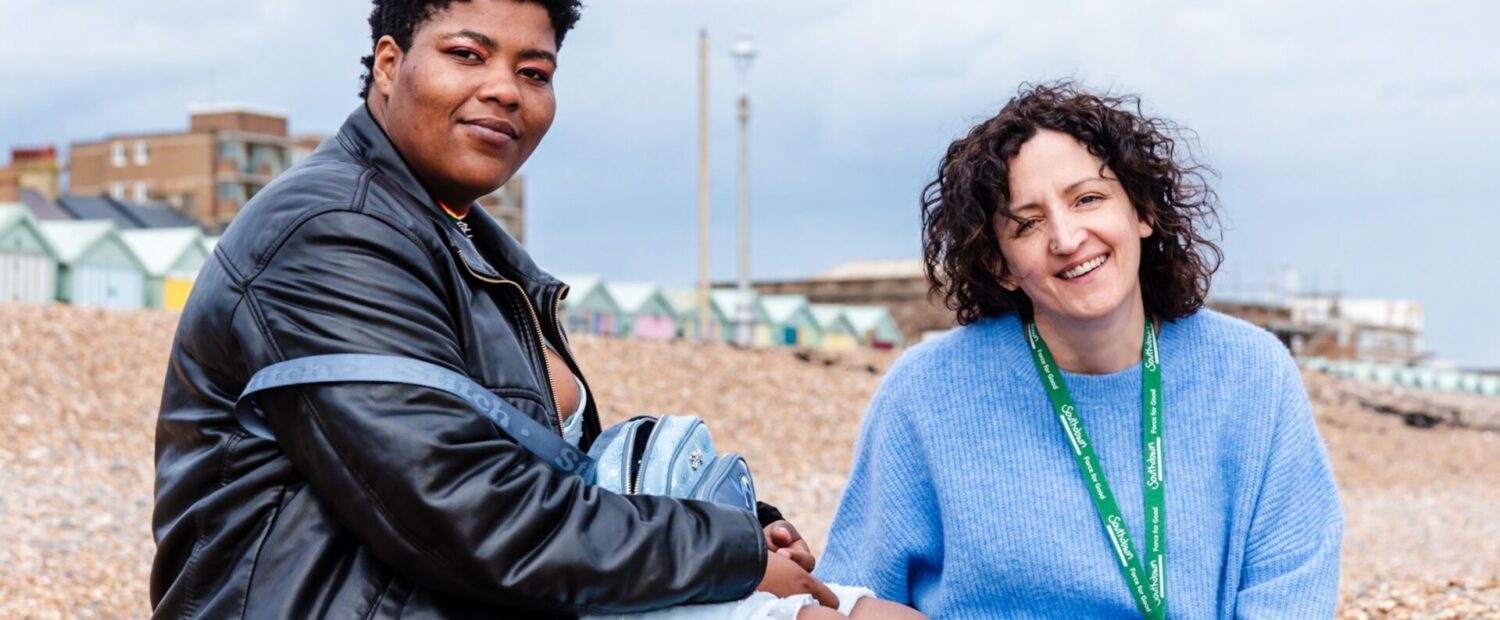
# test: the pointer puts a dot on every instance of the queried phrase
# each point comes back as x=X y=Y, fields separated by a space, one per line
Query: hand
x=783 y=539
x=785 y=578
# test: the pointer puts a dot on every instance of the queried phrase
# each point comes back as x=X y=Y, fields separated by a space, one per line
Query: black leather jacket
x=381 y=500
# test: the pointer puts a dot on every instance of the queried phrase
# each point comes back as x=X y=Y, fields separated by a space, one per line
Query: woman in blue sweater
x=1092 y=442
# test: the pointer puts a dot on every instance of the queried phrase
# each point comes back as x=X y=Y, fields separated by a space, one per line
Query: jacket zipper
x=536 y=324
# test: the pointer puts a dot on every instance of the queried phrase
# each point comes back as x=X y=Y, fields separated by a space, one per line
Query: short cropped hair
x=401 y=18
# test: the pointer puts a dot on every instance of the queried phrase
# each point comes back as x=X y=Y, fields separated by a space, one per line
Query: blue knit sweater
x=965 y=501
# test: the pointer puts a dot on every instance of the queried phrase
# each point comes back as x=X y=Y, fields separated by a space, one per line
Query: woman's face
x=1076 y=251
x=472 y=97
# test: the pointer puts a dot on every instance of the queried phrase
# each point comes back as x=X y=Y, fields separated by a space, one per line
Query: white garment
x=757 y=606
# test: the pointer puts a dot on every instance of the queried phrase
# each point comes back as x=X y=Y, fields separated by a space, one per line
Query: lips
x=1080 y=269
x=497 y=131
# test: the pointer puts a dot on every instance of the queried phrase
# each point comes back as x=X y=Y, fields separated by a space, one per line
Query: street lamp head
x=743 y=52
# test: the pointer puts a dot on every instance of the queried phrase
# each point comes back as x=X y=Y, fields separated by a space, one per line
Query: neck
x=1096 y=346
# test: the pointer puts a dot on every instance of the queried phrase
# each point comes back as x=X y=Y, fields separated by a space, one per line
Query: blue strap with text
x=365 y=368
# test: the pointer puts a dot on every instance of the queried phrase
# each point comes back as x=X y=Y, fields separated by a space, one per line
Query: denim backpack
x=670 y=455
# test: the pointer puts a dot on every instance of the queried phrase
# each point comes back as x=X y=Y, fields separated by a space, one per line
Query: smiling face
x=472 y=97
x=1076 y=250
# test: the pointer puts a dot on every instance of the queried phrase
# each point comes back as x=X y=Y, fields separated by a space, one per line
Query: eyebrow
x=490 y=45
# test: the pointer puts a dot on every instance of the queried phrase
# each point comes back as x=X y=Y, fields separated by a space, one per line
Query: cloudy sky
x=1356 y=141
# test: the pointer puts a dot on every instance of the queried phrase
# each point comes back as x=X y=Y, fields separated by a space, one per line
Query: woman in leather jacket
x=384 y=500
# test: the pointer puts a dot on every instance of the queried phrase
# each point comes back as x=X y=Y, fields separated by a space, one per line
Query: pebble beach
x=79 y=390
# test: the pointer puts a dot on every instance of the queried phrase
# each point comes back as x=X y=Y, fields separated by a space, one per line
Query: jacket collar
x=369 y=142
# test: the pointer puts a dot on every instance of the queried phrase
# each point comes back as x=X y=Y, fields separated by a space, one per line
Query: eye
x=1025 y=226
x=1090 y=198
x=464 y=53
x=539 y=75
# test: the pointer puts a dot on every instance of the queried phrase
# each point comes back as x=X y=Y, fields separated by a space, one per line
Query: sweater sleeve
x=887 y=527
x=1291 y=566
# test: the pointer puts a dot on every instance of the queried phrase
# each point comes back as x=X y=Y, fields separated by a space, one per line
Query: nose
x=1066 y=234
x=500 y=88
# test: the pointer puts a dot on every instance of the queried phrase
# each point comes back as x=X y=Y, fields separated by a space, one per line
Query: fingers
x=824 y=596
x=802 y=557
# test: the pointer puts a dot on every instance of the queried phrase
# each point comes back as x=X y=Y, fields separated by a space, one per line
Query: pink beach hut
x=644 y=311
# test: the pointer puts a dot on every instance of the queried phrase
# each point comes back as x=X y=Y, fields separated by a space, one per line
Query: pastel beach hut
x=589 y=308
x=28 y=264
x=95 y=267
x=172 y=257
x=790 y=321
x=727 y=302
x=644 y=311
x=875 y=326
x=838 y=334
x=685 y=307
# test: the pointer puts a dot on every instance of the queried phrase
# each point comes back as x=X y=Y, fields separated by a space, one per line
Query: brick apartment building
x=208 y=172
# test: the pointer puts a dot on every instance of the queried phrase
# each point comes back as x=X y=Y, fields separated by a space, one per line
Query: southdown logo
x=1119 y=538
x=1072 y=426
x=1151 y=359
x=1153 y=464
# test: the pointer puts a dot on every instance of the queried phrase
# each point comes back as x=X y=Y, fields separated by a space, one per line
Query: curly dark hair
x=400 y=19
x=961 y=253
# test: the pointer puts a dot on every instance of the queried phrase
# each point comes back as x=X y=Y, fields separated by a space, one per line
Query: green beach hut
x=172 y=257
x=28 y=264
x=95 y=267
x=838 y=334
x=875 y=326
x=589 y=309
x=791 y=321
x=685 y=307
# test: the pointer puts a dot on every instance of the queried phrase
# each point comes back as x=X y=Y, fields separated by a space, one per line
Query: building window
x=142 y=191
x=142 y=153
x=117 y=191
x=117 y=154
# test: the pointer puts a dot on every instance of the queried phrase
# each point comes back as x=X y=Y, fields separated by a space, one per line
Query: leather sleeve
x=431 y=488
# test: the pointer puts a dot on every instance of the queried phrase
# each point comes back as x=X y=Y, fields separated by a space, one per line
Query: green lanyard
x=1150 y=594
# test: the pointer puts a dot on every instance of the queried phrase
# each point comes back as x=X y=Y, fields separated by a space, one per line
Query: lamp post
x=743 y=53
x=703 y=298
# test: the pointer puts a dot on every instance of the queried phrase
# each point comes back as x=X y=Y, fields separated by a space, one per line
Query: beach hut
x=790 y=321
x=727 y=302
x=588 y=309
x=28 y=264
x=685 y=307
x=172 y=257
x=838 y=334
x=644 y=311
x=95 y=267
x=875 y=326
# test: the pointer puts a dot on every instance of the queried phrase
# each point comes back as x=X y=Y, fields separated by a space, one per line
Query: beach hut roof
x=685 y=304
x=632 y=297
x=160 y=248
x=865 y=318
x=727 y=300
x=579 y=286
x=10 y=213
x=830 y=317
x=781 y=308
x=72 y=239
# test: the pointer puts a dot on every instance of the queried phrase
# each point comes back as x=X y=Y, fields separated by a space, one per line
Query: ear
x=387 y=63
x=1007 y=281
x=1145 y=224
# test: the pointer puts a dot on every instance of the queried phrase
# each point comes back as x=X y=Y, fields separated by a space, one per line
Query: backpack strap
x=365 y=368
